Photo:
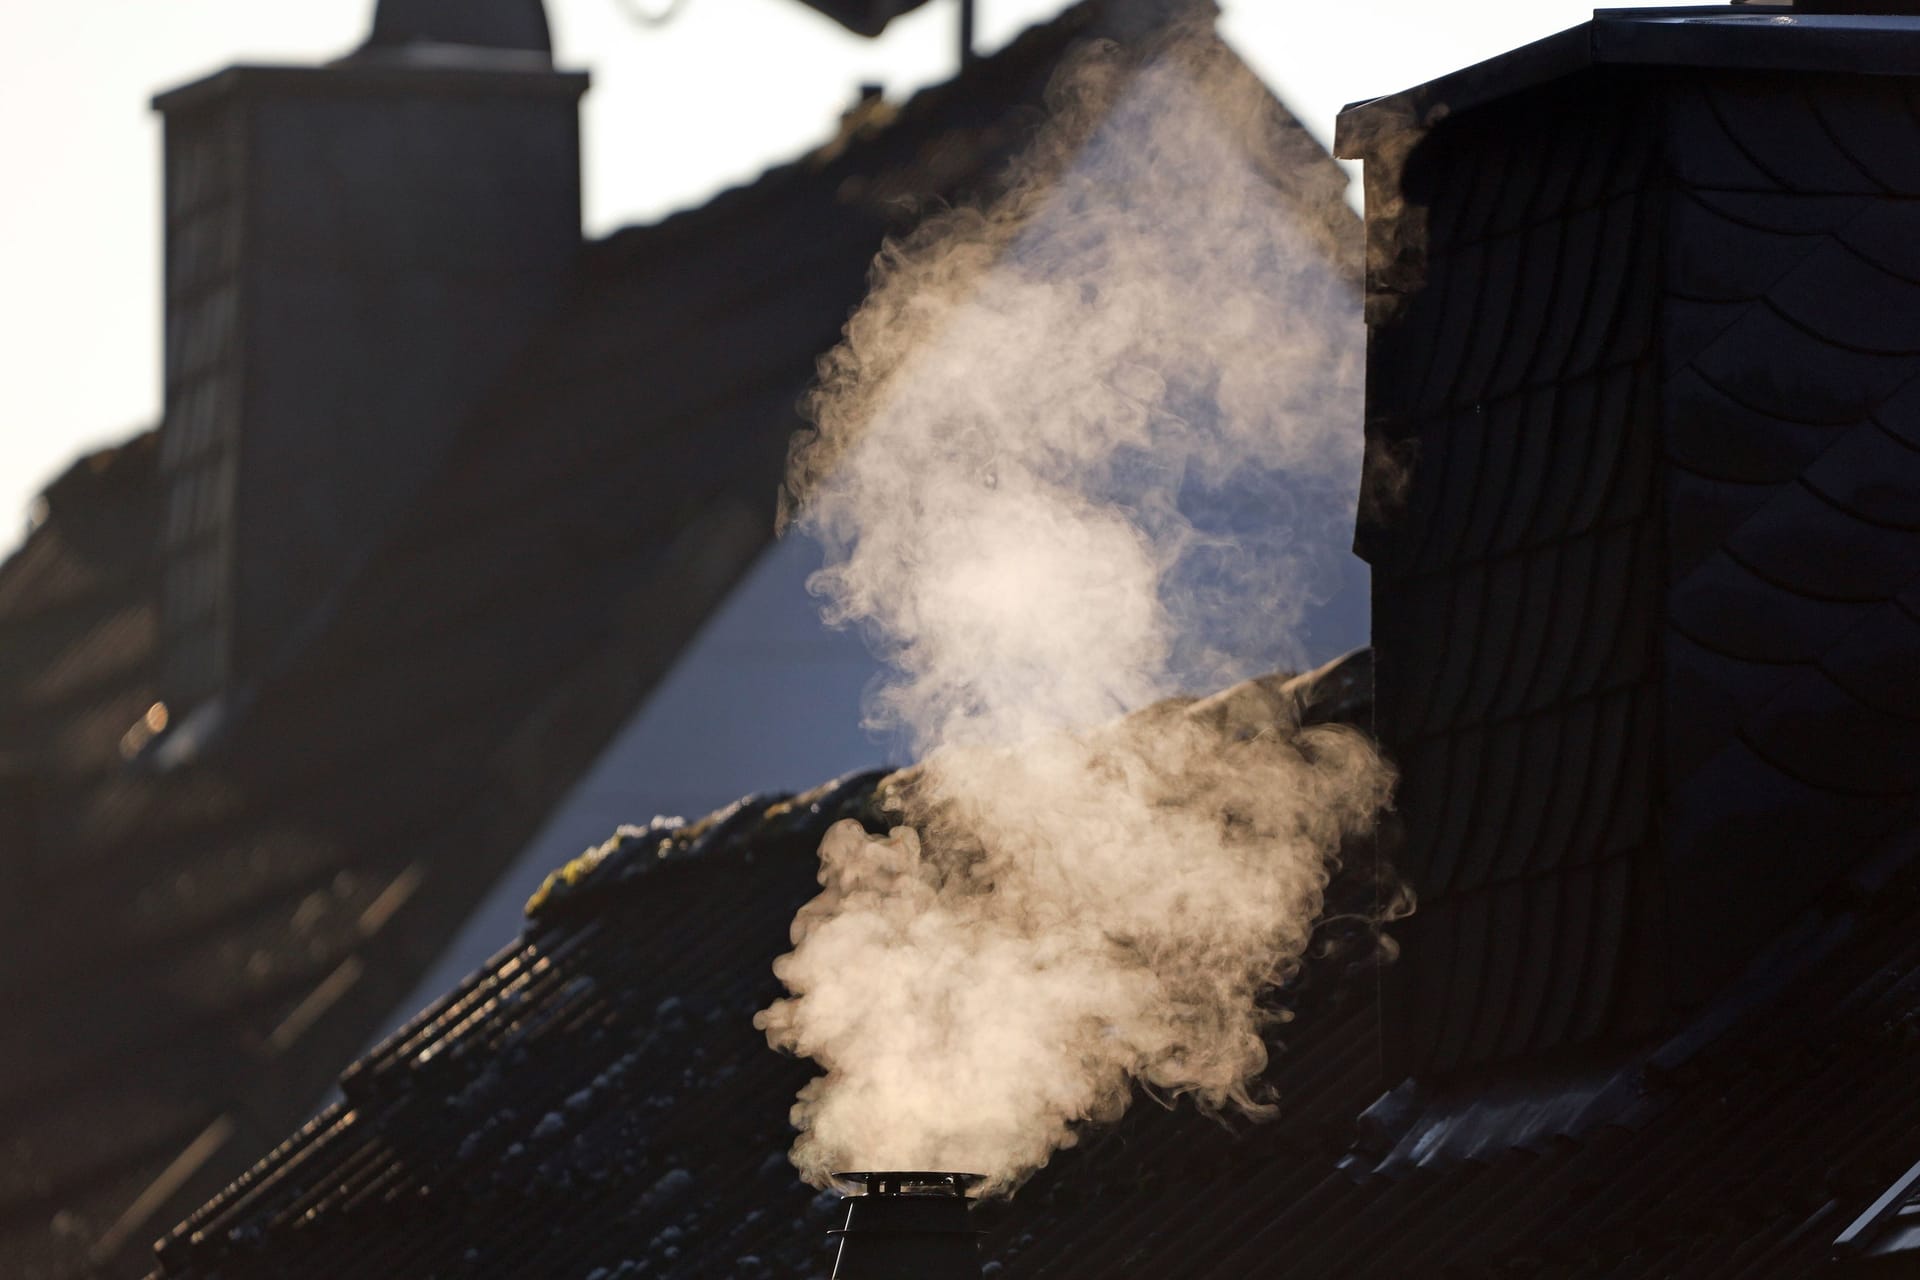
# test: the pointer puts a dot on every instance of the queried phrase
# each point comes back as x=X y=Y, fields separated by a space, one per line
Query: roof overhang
x=1726 y=37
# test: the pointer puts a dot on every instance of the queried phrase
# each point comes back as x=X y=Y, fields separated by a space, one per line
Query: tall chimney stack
x=352 y=252
x=1643 y=472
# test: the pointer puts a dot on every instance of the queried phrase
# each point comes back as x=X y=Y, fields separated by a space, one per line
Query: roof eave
x=1723 y=37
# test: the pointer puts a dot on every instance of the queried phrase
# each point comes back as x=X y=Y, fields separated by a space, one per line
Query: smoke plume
x=1083 y=448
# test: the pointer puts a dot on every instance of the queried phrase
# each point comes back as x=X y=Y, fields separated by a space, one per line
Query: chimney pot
x=907 y=1226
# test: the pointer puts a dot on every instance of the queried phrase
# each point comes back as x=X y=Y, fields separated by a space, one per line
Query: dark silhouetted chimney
x=1643 y=474
x=868 y=17
x=907 y=1226
x=518 y=26
x=352 y=253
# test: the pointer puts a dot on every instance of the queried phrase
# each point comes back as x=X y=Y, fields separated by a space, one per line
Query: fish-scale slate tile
x=1850 y=302
x=1878 y=660
x=1791 y=403
x=1812 y=379
x=1717 y=255
x=1823 y=735
x=1804 y=545
x=1868 y=473
x=1725 y=606
x=1707 y=149
x=1882 y=232
x=1880 y=129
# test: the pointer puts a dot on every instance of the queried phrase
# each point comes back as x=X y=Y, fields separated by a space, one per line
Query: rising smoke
x=1082 y=449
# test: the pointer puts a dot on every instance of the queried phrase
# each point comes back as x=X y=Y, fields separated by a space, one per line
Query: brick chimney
x=1643 y=508
x=352 y=253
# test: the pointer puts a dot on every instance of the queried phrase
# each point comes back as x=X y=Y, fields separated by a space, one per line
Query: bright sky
x=728 y=88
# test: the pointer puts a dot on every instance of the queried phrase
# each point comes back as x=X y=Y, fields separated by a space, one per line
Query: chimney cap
x=892 y=1182
x=864 y=17
x=1861 y=37
x=515 y=26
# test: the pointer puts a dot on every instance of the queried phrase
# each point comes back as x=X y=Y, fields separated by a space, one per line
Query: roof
x=1744 y=37
x=596 y=1103
x=196 y=953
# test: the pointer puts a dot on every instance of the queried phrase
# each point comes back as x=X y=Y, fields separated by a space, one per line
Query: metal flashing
x=1726 y=37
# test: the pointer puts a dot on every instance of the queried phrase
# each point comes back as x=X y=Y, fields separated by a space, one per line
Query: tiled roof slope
x=77 y=614
x=203 y=949
x=596 y=1103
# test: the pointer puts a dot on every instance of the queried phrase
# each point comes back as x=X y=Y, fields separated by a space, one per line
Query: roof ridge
x=634 y=851
x=861 y=132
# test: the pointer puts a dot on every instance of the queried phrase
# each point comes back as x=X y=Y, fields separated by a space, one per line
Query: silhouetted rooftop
x=195 y=953
x=595 y=1102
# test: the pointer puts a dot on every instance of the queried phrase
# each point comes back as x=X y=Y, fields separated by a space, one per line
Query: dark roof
x=76 y=624
x=596 y=1103
x=1744 y=37
x=195 y=954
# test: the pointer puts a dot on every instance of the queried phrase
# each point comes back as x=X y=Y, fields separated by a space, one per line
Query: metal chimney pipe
x=907 y=1226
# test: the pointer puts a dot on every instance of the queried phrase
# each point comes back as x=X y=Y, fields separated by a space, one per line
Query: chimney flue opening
x=907 y=1225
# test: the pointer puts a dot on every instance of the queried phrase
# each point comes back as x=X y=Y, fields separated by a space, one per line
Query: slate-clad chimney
x=1643 y=508
x=352 y=254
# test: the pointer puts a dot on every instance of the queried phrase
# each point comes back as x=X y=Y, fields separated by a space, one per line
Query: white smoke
x=1080 y=450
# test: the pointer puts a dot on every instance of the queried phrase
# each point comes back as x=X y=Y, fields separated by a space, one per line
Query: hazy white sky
x=730 y=87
